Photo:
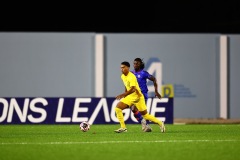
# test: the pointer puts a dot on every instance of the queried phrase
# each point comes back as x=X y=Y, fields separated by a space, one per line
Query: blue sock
x=138 y=116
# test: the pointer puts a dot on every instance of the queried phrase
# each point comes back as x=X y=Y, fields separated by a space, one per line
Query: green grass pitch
x=61 y=142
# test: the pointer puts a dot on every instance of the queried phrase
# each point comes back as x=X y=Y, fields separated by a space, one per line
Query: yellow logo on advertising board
x=167 y=91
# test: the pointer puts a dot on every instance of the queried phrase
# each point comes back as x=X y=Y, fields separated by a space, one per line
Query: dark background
x=119 y=17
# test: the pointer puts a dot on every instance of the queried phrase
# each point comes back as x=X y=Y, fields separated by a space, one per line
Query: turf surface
x=61 y=142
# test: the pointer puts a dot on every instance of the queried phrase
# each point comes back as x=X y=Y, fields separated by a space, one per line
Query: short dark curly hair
x=125 y=63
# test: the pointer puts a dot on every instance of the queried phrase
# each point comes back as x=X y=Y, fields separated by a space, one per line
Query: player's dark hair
x=142 y=65
x=125 y=63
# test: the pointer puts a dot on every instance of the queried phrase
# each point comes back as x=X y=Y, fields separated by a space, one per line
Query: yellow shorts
x=138 y=102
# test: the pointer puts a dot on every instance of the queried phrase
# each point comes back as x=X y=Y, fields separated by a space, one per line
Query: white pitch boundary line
x=107 y=142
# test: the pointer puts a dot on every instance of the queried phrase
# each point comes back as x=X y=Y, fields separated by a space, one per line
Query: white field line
x=108 y=142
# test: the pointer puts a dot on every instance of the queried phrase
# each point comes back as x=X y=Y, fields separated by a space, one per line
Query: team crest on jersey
x=139 y=76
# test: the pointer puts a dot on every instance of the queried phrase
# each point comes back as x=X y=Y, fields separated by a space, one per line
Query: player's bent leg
x=155 y=120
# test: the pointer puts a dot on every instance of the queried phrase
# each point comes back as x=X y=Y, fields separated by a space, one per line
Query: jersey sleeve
x=147 y=75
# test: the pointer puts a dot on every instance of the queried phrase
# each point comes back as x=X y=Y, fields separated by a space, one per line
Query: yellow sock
x=152 y=118
x=120 y=117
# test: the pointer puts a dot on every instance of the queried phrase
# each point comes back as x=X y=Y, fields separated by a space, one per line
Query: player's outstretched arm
x=157 y=94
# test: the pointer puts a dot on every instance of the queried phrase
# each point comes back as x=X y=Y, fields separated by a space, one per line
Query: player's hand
x=158 y=95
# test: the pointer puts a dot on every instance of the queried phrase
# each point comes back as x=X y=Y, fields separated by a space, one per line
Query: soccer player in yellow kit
x=132 y=96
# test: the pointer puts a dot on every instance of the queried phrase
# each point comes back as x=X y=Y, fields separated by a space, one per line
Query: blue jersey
x=142 y=77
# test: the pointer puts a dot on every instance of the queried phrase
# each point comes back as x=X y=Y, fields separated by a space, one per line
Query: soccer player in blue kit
x=142 y=77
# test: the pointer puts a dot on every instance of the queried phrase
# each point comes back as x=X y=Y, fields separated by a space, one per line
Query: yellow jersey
x=129 y=81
